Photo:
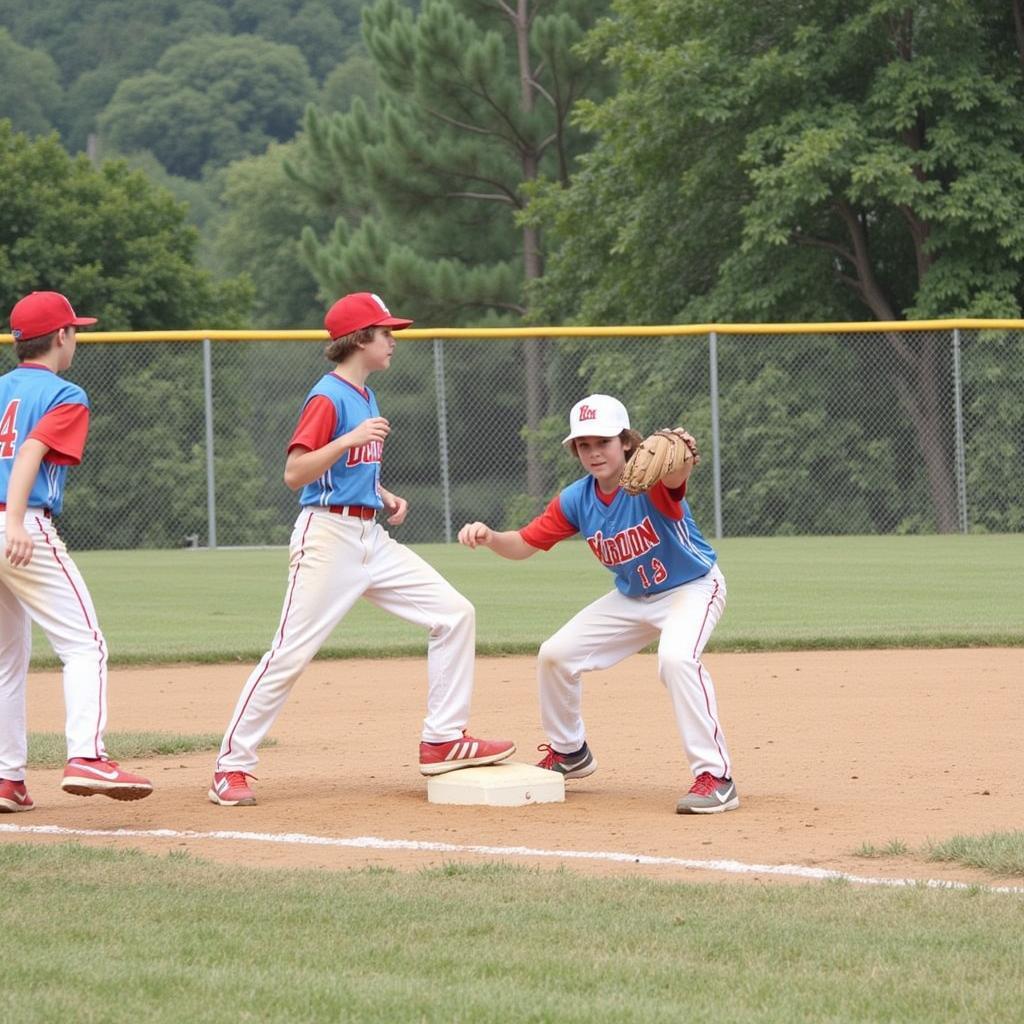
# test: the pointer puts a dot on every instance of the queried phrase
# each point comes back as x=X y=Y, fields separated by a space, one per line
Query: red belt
x=46 y=512
x=359 y=511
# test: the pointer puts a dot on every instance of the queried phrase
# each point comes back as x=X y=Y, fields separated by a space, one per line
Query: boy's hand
x=475 y=534
x=19 y=545
x=374 y=429
x=398 y=507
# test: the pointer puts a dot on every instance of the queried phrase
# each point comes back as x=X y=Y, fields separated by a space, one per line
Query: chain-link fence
x=909 y=431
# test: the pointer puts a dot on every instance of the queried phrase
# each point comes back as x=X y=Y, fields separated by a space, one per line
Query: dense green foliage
x=122 y=250
x=807 y=162
x=209 y=101
x=96 y=47
x=479 y=162
x=31 y=93
x=473 y=107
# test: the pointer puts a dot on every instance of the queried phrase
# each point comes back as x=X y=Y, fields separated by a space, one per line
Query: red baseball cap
x=43 y=313
x=358 y=310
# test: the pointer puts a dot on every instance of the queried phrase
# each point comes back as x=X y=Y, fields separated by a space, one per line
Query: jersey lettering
x=369 y=452
x=8 y=431
x=626 y=545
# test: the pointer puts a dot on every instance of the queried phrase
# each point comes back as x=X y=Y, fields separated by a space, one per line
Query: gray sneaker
x=709 y=795
x=572 y=766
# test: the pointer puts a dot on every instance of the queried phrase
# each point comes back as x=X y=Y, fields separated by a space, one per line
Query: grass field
x=784 y=593
x=106 y=936
x=136 y=937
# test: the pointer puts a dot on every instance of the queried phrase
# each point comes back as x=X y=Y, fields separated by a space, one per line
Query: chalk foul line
x=733 y=867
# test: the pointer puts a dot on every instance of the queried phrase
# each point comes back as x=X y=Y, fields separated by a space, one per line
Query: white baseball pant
x=335 y=560
x=51 y=592
x=614 y=627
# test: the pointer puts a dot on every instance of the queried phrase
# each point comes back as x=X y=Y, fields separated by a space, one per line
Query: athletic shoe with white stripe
x=571 y=766
x=709 y=795
x=438 y=758
x=232 y=789
x=87 y=776
x=14 y=797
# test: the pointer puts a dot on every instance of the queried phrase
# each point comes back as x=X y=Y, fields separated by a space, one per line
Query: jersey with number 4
x=37 y=403
x=649 y=541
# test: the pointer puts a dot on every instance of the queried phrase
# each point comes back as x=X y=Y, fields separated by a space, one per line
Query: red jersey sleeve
x=63 y=430
x=316 y=424
x=548 y=528
x=668 y=501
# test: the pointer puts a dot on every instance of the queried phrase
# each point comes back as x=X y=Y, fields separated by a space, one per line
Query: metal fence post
x=716 y=457
x=442 y=437
x=959 y=448
x=211 y=481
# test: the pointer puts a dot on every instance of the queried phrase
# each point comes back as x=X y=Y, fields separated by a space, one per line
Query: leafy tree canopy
x=826 y=160
x=781 y=161
x=209 y=101
x=257 y=233
x=474 y=101
x=32 y=93
x=104 y=236
x=97 y=45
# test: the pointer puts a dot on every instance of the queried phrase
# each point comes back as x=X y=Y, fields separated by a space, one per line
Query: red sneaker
x=87 y=776
x=438 y=758
x=14 y=797
x=230 y=789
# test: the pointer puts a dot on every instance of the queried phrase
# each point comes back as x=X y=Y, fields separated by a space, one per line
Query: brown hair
x=33 y=348
x=339 y=349
x=630 y=441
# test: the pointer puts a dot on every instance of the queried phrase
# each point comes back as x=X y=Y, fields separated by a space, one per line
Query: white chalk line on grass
x=733 y=867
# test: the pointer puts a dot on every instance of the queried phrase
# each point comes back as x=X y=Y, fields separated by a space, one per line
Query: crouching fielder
x=667 y=587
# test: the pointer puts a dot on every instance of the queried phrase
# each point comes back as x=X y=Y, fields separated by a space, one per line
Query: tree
x=32 y=92
x=122 y=249
x=819 y=161
x=210 y=100
x=95 y=46
x=257 y=234
x=474 y=104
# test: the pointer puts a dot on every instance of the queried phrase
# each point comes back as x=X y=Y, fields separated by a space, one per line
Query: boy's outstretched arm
x=507 y=543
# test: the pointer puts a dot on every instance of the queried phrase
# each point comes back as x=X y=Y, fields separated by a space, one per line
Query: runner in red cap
x=44 y=421
x=340 y=552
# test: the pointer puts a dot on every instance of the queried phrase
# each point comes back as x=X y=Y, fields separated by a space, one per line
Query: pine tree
x=474 y=105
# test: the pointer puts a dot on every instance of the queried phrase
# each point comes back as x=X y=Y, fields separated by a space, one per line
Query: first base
x=510 y=784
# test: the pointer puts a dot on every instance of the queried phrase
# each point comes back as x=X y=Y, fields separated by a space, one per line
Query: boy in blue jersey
x=668 y=588
x=44 y=421
x=340 y=552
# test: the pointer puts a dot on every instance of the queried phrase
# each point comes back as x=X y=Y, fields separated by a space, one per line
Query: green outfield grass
x=105 y=936
x=784 y=593
x=50 y=750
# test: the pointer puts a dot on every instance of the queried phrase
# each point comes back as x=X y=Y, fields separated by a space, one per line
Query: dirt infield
x=832 y=750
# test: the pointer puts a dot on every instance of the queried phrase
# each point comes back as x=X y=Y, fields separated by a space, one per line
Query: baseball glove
x=659 y=455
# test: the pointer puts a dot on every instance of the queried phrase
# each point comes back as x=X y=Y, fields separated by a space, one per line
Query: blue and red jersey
x=37 y=403
x=648 y=541
x=334 y=407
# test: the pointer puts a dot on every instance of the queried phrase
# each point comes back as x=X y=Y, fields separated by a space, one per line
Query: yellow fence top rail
x=621 y=331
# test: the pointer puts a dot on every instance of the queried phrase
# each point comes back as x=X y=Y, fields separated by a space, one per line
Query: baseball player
x=667 y=587
x=341 y=552
x=43 y=425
